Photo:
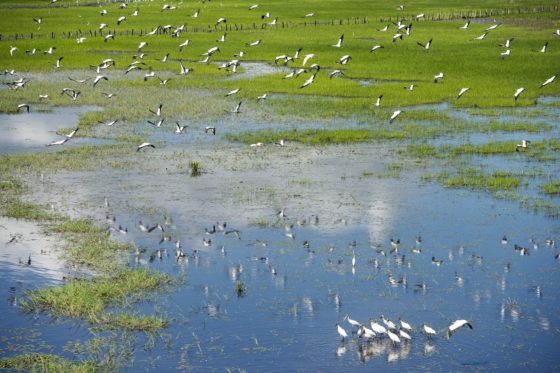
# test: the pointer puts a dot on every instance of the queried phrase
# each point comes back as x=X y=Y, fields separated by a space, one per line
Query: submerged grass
x=475 y=179
x=35 y=362
x=551 y=188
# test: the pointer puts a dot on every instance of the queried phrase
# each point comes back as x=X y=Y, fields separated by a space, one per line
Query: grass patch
x=475 y=179
x=131 y=322
x=551 y=188
x=35 y=362
x=88 y=299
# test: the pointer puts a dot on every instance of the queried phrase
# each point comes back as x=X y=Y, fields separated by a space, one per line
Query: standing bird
x=339 y=43
x=428 y=330
x=517 y=93
x=394 y=116
x=341 y=331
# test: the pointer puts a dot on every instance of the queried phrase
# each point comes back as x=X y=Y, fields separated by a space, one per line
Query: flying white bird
x=543 y=49
x=505 y=54
x=184 y=70
x=121 y=20
x=395 y=115
x=232 y=92
x=237 y=109
x=438 y=77
x=221 y=20
x=335 y=73
x=524 y=145
x=98 y=78
x=12 y=50
x=339 y=42
x=384 y=29
x=253 y=44
x=141 y=45
x=307 y=58
x=195 y=14
x=262 y=97
x=71 y=134
x=184 y=44
x=145 y=145
x=376 y=47
x=378 y=101
x=517 y=93
x=481 y=37
x=397 y=36
x=110 y=123
x=462 y=92
x=158 y=123
x=59 y=142
x=548 y=81
x=254 y=6
x=157 y=112
x=308 y=81
x=507 y=44
x=179 y=128
x=222 y=38
x=493 y=27
x=23 y=106
x=458 y=324
x=466 y=25
x=344 y=59
x=425 y=46
x=57 y=63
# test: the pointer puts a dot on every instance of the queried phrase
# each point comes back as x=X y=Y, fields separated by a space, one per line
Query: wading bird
x=481 y=37
x=548 y=81
x=425 y=46
x=157 y=111
x=98 y=78
x=145 y=145
x=378 y=101
x=517 y=93
x=376 y=47
x=339 y=42
x=524 y=145
x=23 y=106
x=179 y=128
x=466 y=25
x=394 y=116
x=462 y=92
x=308 y=81
x=457 y=324
x=59 y=142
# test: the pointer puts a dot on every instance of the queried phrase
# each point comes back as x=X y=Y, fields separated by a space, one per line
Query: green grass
x=472 y=178
x=131 y=322
x=35 y=362
x=551 y=187
x=89 y=299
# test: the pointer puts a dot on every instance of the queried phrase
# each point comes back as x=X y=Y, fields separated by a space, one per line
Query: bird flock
x=140 y=64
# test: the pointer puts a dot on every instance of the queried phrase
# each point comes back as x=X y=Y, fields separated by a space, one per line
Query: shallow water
x=297 y=292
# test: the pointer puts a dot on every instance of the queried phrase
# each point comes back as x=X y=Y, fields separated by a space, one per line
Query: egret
x=462 y=92
x=352 y=321
x=376 y=47
x=394 y=116
x=548 y=81
x=253 y=44
x=378 y=102
x=377 y=328
x=158 y=110
x=517 y=93
x=335 y=73
x=59 y=142
x=438 y=77
x=466 y=25
x=507 y=43
x=179 y=128
x=262 y=97
x=505 y=54
x=458 y=324
x=344 y=59
x=339 y=42
x=395 y=338
x=121 y=20
x=145 y=145
x=184 y=44
x=404 y=324
x=543 y=49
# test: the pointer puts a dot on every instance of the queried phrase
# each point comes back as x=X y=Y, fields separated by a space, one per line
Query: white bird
x=425 y=46
x=108 y=36
x=43 y=96
x=237 y=108
x=274 y=22
x=49 y=51
x=221 y=20
x=438 y=77
x=195 y=14
x=428 y=330
x=80 y=40
x=103 y=12
x=384 y=29
x=410 y=87
x=524 y=145
x=308 y=81
x=12 y=50
x=254 y=6
x=376 y=47
x=222 y=38
x=307 y=58
x=211 y=51
x=158 y=123
x=335 y=73
x=466 y=25
x=154 y=31
x=352 y=321
x=290 y=75
x=59 y=142
x=141 y=45
x=344 y=59
x=517 y=93
x=98 y=78
x=253 y=44
x=184 y=44
x=493 y=27
x=507 y=44
x=353 y=259
x=232 y=92
x=210 y=129
x=404 y=334
x=339 y=42
x=110 y=123
x=481 y=37
x=458 y=324
x=388 y=323
x=341 y=331
x=179 y=128
x=262 y=97
x=102 y=26
x=548 y=81
x=462 y=92
x=57 y=63
x=71 y=134
x=158 y=110
x=405 y=325
x=397 y=36
x=419 y=16
x=145 y=145
x=377 y=328
x=310 y=14
x=506 y=53
x=395 y=338
x=184 y=70
x=395 y=115
x=378 y=101
x=121 y=20
x=149 y=75
x=23 y=106
x=543 y=49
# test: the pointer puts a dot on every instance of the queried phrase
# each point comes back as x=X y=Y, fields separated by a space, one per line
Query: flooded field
x=273 y=246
